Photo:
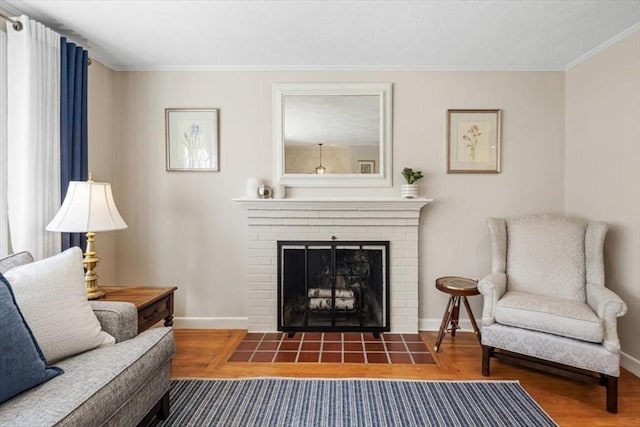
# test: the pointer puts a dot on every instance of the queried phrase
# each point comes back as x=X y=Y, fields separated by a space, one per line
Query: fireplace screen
x=333 y=286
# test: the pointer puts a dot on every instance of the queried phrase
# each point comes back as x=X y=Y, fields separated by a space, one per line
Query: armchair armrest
x=608 y=306
x=492 y=287
x=118 y=319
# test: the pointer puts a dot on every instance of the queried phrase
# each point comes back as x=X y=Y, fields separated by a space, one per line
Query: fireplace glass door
x=333 y=286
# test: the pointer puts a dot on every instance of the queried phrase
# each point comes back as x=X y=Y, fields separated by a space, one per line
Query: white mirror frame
x=380 y=179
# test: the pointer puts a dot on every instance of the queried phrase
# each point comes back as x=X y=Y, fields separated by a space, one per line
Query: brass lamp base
x=90 y=262
x=95 y=293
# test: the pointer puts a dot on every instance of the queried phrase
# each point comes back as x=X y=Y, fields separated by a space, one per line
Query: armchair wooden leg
x=486 y=359
x=611 y=384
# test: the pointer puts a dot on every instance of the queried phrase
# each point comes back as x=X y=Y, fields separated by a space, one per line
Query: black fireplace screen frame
x=333 y=245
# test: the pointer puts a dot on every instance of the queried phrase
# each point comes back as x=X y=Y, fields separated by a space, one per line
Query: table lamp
x=88 y=208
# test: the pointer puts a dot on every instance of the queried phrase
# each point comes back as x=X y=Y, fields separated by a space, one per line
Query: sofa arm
x=608 y=306
x=118 y=319
x=492 y=287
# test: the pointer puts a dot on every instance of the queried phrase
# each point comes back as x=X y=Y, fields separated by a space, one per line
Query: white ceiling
x=332 y=120
x=451 y=34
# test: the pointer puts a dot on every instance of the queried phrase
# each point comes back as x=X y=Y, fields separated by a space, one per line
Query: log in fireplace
x=331 y=286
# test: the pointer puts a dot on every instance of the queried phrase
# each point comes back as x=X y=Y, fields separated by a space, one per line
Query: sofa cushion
x=567 y=351
x=117 y=318
x=51 y=294
x=15 y=260
x=571 y=319
x=96 y=384
x=22 y=364
x=554 y=242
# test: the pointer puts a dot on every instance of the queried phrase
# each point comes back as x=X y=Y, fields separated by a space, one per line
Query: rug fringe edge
x=340 y=379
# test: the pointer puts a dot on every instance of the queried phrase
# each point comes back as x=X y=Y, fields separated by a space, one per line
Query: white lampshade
x=87 y=207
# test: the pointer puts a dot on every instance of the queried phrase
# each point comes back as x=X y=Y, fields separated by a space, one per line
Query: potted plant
x=410 y=189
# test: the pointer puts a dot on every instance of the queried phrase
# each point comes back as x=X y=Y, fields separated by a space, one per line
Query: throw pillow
x=51 y=294
x=22 y=364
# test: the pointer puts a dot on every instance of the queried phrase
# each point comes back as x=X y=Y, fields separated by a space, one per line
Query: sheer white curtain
x=4 y=225
x=34 y=136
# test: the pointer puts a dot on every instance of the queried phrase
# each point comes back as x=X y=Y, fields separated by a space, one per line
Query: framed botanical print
x=192 y=139
x=473 y=141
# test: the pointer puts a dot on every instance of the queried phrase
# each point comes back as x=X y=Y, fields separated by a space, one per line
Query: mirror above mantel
x=332 y=134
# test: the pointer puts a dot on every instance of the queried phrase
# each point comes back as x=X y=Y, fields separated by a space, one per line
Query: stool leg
x=472 y=319
x=443 y=326
x=455 y=316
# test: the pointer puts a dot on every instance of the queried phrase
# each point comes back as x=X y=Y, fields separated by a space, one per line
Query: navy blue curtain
x=74 y=158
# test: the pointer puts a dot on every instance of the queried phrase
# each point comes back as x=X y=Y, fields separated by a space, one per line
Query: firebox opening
x=333 y=286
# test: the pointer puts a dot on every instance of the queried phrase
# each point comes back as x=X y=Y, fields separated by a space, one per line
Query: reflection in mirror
x=332 y=134
x=341 y=129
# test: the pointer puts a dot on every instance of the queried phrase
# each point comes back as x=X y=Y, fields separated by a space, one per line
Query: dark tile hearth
x=332 y=347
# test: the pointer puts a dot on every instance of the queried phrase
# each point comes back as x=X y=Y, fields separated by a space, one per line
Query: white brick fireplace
x=270 y=220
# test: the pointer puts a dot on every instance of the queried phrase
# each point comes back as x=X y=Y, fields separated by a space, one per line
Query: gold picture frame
x=473 y=141
x=192 y=139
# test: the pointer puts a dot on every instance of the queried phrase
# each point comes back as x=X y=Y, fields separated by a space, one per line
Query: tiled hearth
x=333 y=347
x=381 y=219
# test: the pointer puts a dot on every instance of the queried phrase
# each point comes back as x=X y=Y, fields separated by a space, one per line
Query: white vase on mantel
x=252 y=187
x=409 y=191
x=279 y=191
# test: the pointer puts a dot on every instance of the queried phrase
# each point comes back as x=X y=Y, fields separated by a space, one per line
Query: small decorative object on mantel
x=279 y=191
x=473 y=141
x=264 y=191
x=252 y=187
x=410 y=189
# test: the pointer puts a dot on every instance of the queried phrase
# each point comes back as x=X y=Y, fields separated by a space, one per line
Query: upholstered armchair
x=545 y=302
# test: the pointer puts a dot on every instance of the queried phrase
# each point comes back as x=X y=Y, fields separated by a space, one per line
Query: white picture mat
x=192 y=139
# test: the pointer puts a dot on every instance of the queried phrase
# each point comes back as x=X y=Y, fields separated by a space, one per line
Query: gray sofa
x=124 y=384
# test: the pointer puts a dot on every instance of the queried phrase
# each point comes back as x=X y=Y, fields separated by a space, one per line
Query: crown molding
x=346 y=68
x=613 y=40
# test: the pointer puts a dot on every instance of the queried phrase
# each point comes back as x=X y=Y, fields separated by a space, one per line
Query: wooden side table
x=459 y=288
x=153 y=303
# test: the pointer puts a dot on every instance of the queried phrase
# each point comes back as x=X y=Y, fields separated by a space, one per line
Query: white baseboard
x=630 y=363
x=434 y=324
x=242 y=323
x=238 y=323
x=210 y=322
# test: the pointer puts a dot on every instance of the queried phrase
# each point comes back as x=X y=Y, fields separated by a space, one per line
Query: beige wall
x=602 y=175
x=102 y=151
x=185 y=230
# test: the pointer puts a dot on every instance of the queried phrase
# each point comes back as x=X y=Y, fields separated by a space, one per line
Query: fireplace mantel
x=335 y=203
x=389 y=219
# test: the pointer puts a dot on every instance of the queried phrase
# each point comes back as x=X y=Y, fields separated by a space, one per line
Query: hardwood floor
x=203 y=354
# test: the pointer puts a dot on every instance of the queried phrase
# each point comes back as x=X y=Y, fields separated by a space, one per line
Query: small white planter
x=279 y=191
x=409 y=191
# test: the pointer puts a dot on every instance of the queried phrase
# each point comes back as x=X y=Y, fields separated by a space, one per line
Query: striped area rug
x=351 y=402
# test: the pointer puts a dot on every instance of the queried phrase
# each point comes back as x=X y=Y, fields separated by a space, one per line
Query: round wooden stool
x=459 y=288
